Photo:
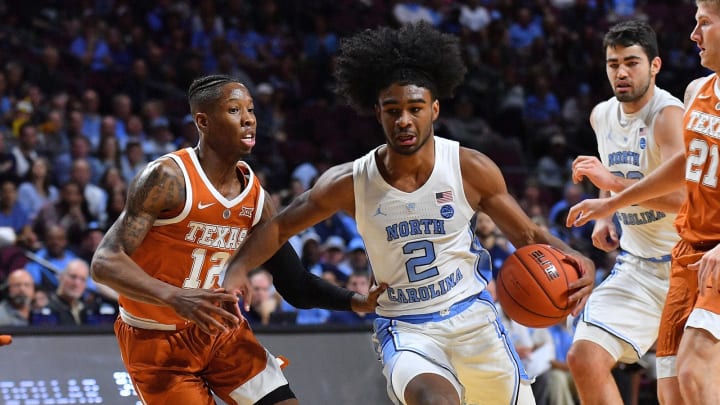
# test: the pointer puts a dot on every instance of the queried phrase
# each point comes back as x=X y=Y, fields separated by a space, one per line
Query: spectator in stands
x=6 y=101
x=579 y=236
x=188 y=135
x=407 y=12
x=542 y=109
x=561 y=386
x=54 y=135
x=135 y=130
x=122 y=109
x=524 y=29
x=8 y=164
x=91 y=118
x=109 y=153
x=554 y=168
x=22 y=114
x=12 y=214
x=333 y=259
x=339 y=224
x=265 y=300
x=160 y=139
x=80 y=148
x=37 y=189
x=82 y=173
x=360 y=283
x=474 y=16
x=90 y=47
x=70 y=211
x=535 y=200
x=133 y=160
x=493 y=241
x=54 y=256
x=15 y=309
x=26 y=149
x=67 y=301
x=357 y=258
x=89 y=242
x=48 y=74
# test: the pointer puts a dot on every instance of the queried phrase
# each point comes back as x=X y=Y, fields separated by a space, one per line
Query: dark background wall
x=325 y=368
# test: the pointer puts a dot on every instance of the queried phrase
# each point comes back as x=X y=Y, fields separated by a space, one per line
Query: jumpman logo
x=379 y=212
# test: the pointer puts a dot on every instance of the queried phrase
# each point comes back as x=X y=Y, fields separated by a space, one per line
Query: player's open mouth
x=405 y=139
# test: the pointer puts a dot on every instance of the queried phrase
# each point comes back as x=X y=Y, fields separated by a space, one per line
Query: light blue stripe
x=454 y=309
x=659 y=259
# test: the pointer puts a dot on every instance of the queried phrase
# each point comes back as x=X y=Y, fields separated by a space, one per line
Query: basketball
x=532 y=285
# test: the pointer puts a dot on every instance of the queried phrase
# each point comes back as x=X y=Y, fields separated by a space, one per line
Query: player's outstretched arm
x=487 y=191
x=158 y=189
x=332 y=192
x=304 y=290
x=665 y=179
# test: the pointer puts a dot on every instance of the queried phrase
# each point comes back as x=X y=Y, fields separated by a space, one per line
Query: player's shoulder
x=473 y=161
x=694 y=87
x=603 y=106
x=162 y=175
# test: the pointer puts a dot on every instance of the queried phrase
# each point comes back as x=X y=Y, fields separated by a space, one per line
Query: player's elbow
x=100 y=267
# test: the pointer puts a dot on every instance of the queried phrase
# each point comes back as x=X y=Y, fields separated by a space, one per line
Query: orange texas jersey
x=699 y=217
x=190 y=250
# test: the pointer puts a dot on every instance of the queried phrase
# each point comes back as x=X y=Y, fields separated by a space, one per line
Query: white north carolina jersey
x=627 y=147
x=419 y=243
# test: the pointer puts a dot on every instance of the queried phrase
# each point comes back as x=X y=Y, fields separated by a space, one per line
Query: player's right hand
x=206 y=308
x=586 y=211
x=591 y=167
x=604 y=235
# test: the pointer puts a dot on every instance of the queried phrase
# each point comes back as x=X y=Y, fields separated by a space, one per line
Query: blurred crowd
x=92 y=90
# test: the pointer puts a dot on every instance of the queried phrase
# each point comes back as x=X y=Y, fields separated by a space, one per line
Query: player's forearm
x=264 y=241
x=119 y=272
x=303 y=289
x=666 y=179
x=670 y=202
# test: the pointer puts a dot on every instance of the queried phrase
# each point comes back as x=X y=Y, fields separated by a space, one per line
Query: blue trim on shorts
x=659 y=259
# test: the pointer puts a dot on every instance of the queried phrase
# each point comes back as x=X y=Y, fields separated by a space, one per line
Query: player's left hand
x=584 y=285
x=368 y=303
x=708 y=268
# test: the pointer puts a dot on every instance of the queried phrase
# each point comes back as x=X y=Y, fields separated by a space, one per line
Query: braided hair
x=207 y=89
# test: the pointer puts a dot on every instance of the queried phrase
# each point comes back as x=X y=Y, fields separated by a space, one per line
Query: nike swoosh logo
x=202 y=206
x=703 y=96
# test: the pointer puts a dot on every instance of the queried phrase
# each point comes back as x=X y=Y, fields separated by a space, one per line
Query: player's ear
x=201 y=120
x=655 y=65
x=435 y=109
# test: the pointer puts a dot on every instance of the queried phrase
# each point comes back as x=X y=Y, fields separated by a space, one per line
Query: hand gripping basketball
x=532 y=285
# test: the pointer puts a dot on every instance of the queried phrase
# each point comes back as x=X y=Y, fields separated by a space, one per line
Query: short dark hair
x=207 y=89
x=633 y=32
x=413 y=54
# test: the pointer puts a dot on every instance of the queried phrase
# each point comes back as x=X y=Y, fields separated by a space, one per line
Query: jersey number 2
x=217 y=259
x=412 y=264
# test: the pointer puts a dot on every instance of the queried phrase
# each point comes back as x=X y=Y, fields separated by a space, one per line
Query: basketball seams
x=531 y=292
x=519 y=303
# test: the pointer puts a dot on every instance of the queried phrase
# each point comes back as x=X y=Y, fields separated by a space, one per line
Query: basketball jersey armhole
x=188 y=194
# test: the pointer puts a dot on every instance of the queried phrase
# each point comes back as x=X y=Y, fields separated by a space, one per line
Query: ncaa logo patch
x=447 y=211
x=643 y=143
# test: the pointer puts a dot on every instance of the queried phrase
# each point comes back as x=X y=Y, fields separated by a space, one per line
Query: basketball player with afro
x=415 y=198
